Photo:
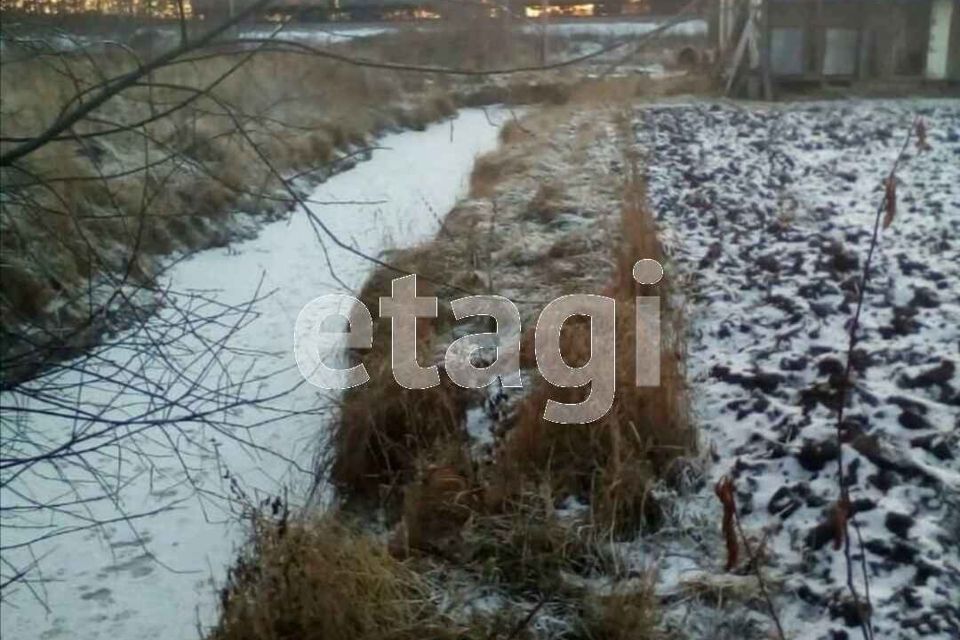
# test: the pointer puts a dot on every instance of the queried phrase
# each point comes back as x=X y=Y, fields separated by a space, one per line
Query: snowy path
x=105 y=583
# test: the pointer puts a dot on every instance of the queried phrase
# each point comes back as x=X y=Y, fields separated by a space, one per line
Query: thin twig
x=864 y=613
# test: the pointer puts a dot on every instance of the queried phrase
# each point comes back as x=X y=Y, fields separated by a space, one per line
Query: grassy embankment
x=559 y=208
x=162 y=167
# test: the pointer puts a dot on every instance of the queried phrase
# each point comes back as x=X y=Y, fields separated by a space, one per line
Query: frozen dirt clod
x=770 y=210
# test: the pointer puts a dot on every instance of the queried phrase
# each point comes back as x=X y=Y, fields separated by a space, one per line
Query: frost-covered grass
x=161 y=169
x=475 y=489
x=102 y=207
x=616 y=460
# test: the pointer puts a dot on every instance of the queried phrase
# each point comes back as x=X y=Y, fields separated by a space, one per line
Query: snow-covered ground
x=320 y=33
x=769 y=211
x=584 y=28
x=156 y=577
x=614 y=29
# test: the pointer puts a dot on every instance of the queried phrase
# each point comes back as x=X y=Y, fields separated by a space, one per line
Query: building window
x=840 y=54
x=787 y=51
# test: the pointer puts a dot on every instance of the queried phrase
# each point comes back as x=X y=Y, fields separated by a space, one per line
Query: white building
x=765 y=42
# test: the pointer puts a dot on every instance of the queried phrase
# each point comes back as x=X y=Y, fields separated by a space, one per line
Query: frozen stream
x=155 y=577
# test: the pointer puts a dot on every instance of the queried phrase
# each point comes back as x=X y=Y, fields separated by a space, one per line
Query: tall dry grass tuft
x=438 y=505
x=319 y=580
x=384 y=429
x=613 y=462
x=630 y=612
x=525 y=546
x=544 y=204
x=491 y=168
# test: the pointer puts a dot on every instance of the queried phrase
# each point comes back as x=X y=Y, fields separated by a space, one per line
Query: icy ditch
x=157 y=578
x=770 y=210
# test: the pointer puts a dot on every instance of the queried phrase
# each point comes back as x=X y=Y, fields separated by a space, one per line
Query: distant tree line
x=133 y=8
x=301 y=9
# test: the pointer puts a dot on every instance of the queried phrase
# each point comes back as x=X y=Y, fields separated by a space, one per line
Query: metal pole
x=544 y=7
x=765 y=45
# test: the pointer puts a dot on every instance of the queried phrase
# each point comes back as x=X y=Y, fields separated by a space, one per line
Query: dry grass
x=544 y=205
x=524 y=546
x=520 y=545
x=95 y=210
x=319 y=580
x=513 y=132
x=491 y=168
x=605 y=92
x=724 y=588
x=630 y=612
x=613 y=462
x=465 y=40
x=487 y=171
x=498 y=521
x=384 y=429
x=496 y=518
x=385 y=433
x=437 y=506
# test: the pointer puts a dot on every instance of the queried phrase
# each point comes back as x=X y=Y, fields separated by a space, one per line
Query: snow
x=334 y=33
x=769 y=209
x=594 y=29
x=615 y=29
x=319 y=34
x=156 y=576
